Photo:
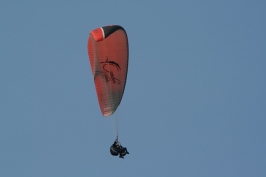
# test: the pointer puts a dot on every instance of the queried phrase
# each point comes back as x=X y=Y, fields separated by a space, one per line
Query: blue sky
x=194 y=103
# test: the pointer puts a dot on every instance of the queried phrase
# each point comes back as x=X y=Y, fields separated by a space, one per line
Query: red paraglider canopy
x=108 y=53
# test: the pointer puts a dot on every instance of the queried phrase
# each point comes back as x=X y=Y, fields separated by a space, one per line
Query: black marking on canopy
x=111 y=63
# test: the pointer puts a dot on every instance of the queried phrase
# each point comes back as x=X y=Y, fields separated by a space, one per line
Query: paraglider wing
x=108 y=53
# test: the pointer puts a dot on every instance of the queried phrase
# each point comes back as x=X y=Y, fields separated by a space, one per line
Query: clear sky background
x=194 y=103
